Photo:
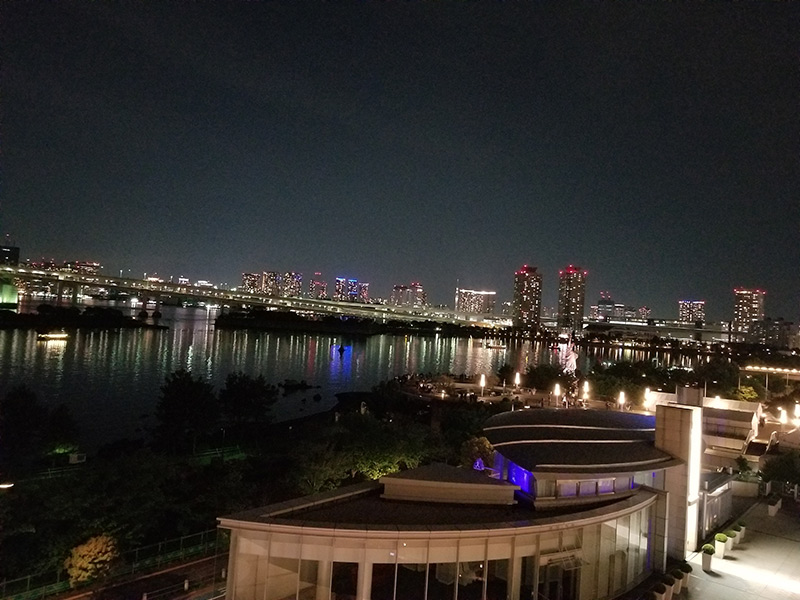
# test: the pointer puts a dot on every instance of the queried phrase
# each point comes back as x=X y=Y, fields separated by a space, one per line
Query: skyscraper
x=479 y=302
x=691 y=311
x=251 y=282
x=749 y=308
x=271 y=283
x=408 y=295
x=340 y=289
x=527 y=299
x=317 y=288
x=292 y=285
x=571 y=297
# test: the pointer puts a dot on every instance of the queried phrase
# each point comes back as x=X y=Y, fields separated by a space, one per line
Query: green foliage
x=91 y=560
x=677 y=574
x=720 y=537
x=745 y=393
x=475 y=448
x=22 y=422
x=686 y=567
x=187 y=409
x=709 y=549
x=783 y=468
x=730 y=533
x=543 y=377
x=246 y=399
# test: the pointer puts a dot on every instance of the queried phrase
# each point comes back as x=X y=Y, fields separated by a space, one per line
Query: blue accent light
x=519 y=476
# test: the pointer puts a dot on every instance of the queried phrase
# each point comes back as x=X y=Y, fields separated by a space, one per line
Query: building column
x=364 y=589
x=324 y=572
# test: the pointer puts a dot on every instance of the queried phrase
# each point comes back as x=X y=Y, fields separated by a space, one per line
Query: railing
x=154 y=556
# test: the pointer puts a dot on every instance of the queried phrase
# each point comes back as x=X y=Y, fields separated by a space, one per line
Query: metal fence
x=146 y=558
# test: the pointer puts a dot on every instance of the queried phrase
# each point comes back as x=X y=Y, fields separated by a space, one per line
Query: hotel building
x=571 y=298
x=749 y=307
x=479 y=302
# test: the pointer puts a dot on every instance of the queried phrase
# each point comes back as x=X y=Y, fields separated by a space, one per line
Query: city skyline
x=447 y=144
x=526 y=289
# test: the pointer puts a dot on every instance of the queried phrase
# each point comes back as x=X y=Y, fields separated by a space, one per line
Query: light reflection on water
x=110 y=379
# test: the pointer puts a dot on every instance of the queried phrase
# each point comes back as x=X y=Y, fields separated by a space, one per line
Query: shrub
x=660 y=588
x=708 y=549
x=742 y=524
x=668 y=580
x=686 y=567
x=731 y=534
x=774 y=499
x=721 y=537
x=737 y=528
x=91 y=560
x=677 y=574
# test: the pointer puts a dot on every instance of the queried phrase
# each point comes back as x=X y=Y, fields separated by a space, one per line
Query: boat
x=48 y=336
x=494 y=346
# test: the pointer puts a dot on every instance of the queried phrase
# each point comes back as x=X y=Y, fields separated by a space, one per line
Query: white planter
x=707 y=561
x=676 y=589
x=720 y=549
x=729 y=545
x=772 y=509
x=741 y=533
x=737 y=539
x=685 y=584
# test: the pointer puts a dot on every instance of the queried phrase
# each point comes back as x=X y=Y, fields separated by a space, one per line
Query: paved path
x=766 y=565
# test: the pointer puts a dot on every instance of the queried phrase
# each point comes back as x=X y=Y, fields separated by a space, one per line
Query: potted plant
x=774 y=505
x=720 y=542
x=678 y=575
x=739 y=537
x=660 y=591
x=731 y=535
x=708 y=552
x=743 y=525
x=668 y=581
x=686 y=568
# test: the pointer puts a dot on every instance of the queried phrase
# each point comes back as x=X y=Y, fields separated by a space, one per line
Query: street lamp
x=516 y=379
x=622 y=400
x=556 y=392
x=483 y=383
x=647 y=398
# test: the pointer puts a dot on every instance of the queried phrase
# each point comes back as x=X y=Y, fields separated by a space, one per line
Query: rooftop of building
x=577 y=441
x=362 y=507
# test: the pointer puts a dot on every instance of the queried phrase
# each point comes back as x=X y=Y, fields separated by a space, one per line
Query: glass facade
x=582 y=563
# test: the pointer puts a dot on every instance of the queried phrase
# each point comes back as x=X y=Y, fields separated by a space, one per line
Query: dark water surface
x=111 y=380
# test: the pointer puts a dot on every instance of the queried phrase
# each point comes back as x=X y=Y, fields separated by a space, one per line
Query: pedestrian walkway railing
x=140 y=560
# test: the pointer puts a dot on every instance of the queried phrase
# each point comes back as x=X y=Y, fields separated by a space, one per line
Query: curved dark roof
x=577 y=441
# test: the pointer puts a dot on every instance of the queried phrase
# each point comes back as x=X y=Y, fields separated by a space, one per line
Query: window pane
x=382 y=581
x=344 y=581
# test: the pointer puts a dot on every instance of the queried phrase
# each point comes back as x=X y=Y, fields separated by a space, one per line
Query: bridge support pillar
x=8 y=294
x=75 y=293
x=59 y=291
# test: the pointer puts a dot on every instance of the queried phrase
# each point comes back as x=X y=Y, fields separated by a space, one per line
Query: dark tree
x=22 y=423
x=186 y=411
x=246 y=399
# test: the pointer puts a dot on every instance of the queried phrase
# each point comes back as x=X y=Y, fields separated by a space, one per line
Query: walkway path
x=766 y=565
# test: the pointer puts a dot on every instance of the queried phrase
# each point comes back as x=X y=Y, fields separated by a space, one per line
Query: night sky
x=653 y=144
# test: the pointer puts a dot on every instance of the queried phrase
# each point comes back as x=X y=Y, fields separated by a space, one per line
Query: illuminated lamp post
x=647 y=398
x=557 y=392
x=621 y=400
x=483 y=383
x=585 y=391
x=516 y=380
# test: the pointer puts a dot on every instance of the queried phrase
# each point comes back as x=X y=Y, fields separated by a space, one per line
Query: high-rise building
x=408 y=295
x=527 y=299
x=362 y=293
x=571 y=297
x=644 y=312
x=480 y=302
x=691 y=311
x=317 y=288
x=292 y=285
x=271 y=283
x=749 y=308
x=251 y=283
x=340 y=289
x=352 y=290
